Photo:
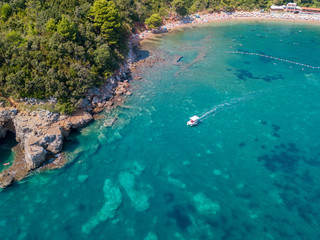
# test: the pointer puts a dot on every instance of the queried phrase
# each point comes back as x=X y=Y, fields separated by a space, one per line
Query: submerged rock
x=176 y=182
x=82 y=178
x=204 y=205
x=178 y=236
x=109 y=122
x=116 y=136
x=137 y=168
x=139 y=199
x=102 y=138
x=113 y=199
x=130 y=232
x=151 y=236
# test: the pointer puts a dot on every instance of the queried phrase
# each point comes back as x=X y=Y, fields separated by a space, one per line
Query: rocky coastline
x=40 y=133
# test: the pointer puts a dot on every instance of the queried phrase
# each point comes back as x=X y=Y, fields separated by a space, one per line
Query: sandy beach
x=201 y=19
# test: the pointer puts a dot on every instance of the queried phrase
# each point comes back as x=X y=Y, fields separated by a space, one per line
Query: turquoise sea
x=250 y=170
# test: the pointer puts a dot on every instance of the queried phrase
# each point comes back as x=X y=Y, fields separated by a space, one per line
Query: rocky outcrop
x=40 y=135
x=105 y=96
x=3 y=132
x=6 y=116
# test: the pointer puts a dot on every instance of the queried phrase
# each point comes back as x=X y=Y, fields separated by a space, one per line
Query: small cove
x=6 y=153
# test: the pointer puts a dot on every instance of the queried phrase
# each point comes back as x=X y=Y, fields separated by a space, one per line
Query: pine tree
x=154 y=21
x=66 y=28
x=33 y=8
x=106 y=19
x=6 y=11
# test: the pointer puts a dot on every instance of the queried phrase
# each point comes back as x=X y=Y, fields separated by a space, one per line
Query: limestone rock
x=55 y=142
x=95 y=100
x=6 y=180
x=109 y=122
x=34 y=156
x=3 y=131
x=108 y=104
x=40 y=135
x=79 y=119
x=51 y=140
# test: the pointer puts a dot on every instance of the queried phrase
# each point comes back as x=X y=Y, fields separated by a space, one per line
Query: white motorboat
x=193 y=121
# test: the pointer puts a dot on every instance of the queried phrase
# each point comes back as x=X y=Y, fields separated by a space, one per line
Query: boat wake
x=232 y=103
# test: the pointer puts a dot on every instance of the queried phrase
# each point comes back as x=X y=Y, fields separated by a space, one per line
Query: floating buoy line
x=275 y=58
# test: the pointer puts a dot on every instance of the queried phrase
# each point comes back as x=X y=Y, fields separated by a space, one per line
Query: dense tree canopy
x=154 y=21
x=62 y=48
x=107 y=20
x=54 y=48
x=6 y=11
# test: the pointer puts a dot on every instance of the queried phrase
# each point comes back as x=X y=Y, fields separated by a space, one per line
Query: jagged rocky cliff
x=41 y=134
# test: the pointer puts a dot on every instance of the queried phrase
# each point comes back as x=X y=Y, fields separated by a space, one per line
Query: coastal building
x=310 y=10
x=275 y=8
x=292 y=7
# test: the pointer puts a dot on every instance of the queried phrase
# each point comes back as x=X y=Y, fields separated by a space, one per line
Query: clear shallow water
x=248 y=171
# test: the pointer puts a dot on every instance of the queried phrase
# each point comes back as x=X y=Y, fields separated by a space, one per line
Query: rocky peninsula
x=40 y=133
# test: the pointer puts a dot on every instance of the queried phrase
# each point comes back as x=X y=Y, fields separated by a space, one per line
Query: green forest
x=62 y=48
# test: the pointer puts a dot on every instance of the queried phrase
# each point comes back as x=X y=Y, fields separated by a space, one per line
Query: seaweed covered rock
x=6 y=115
x=6 y=179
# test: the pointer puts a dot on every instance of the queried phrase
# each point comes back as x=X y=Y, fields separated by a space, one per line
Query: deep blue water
x=250 y=170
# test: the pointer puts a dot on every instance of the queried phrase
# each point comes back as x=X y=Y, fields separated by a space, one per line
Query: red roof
x=312 y=9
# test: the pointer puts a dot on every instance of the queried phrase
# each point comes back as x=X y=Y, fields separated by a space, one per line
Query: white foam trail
x=222 y=106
